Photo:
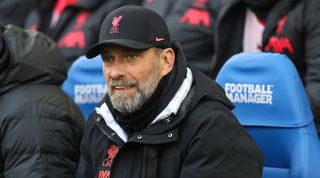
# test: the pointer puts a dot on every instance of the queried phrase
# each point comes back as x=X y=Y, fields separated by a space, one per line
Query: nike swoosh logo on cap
x=159 y=39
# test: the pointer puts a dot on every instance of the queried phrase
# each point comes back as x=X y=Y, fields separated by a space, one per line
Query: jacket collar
x=171 y=109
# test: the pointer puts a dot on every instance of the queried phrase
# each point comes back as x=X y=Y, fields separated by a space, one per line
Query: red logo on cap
x=115 y=24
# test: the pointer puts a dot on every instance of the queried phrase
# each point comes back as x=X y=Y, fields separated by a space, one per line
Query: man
x=290 y=27
x=72 y=24
x=40 y=126
x=159 y=118
x=14 y=11
x=190 y=22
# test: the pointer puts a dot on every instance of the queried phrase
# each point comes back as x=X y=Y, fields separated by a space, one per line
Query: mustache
x=117 y=82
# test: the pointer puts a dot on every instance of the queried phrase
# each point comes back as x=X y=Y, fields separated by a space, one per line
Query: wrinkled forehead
x=110 y=48
x=120 y=49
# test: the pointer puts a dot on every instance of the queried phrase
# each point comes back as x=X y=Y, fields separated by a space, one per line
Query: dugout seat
x=85 y=83
x=271 y=103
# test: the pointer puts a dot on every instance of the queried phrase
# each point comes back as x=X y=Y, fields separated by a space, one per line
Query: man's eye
x=132 y=57
x=106 y=59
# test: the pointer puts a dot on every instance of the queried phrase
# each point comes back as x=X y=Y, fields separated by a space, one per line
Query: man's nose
x=117 y=69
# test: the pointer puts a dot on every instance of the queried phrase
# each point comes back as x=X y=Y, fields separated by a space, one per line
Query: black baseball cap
x=133 y=27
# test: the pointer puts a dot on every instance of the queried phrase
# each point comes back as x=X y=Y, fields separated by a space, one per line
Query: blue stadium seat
x=85 y=83
x=272 y=105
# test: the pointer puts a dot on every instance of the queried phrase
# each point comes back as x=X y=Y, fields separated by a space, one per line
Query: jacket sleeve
x=85 y=169
x=4 y=52
x=222 y=149
x=312 y=56
x=35 y=145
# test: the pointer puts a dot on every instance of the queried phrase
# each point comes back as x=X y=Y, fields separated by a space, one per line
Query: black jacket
x=40 y=126
x=14 y=11
x=204 y=139
x=292 y=28
x=191 y=23
x=79 y=24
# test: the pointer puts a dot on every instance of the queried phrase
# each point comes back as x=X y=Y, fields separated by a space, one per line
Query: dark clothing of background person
x=72 y=24
x=292 y=27
x=14 y=11
x=191 y=23
x=40 y=126
x=204 y=139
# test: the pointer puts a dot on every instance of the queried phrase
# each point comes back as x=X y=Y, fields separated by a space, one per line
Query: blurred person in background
x=15 y=11
x=290 y=27
x=40 y=126
x=72 y=24
x=191 y=23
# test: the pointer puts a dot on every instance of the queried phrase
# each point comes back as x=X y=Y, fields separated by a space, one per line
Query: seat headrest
x=266 y=90
x=86 y=84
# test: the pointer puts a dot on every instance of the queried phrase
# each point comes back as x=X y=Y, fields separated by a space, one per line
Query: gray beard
x=129 y=103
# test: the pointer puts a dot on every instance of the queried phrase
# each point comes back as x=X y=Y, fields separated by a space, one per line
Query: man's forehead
x=110 y=49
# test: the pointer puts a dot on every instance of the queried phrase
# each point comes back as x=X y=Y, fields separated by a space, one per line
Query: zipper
x=112 y=136
x=150 y=161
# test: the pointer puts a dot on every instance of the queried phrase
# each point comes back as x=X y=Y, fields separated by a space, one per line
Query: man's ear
x=167 y=58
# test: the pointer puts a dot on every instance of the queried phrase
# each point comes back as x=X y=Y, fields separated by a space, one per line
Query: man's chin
x=126 y=103
x=122 y=96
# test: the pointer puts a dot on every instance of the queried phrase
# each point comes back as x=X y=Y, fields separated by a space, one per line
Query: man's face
x=132 y=76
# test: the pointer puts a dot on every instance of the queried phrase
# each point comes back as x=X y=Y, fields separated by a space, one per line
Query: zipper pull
x=169 y=119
